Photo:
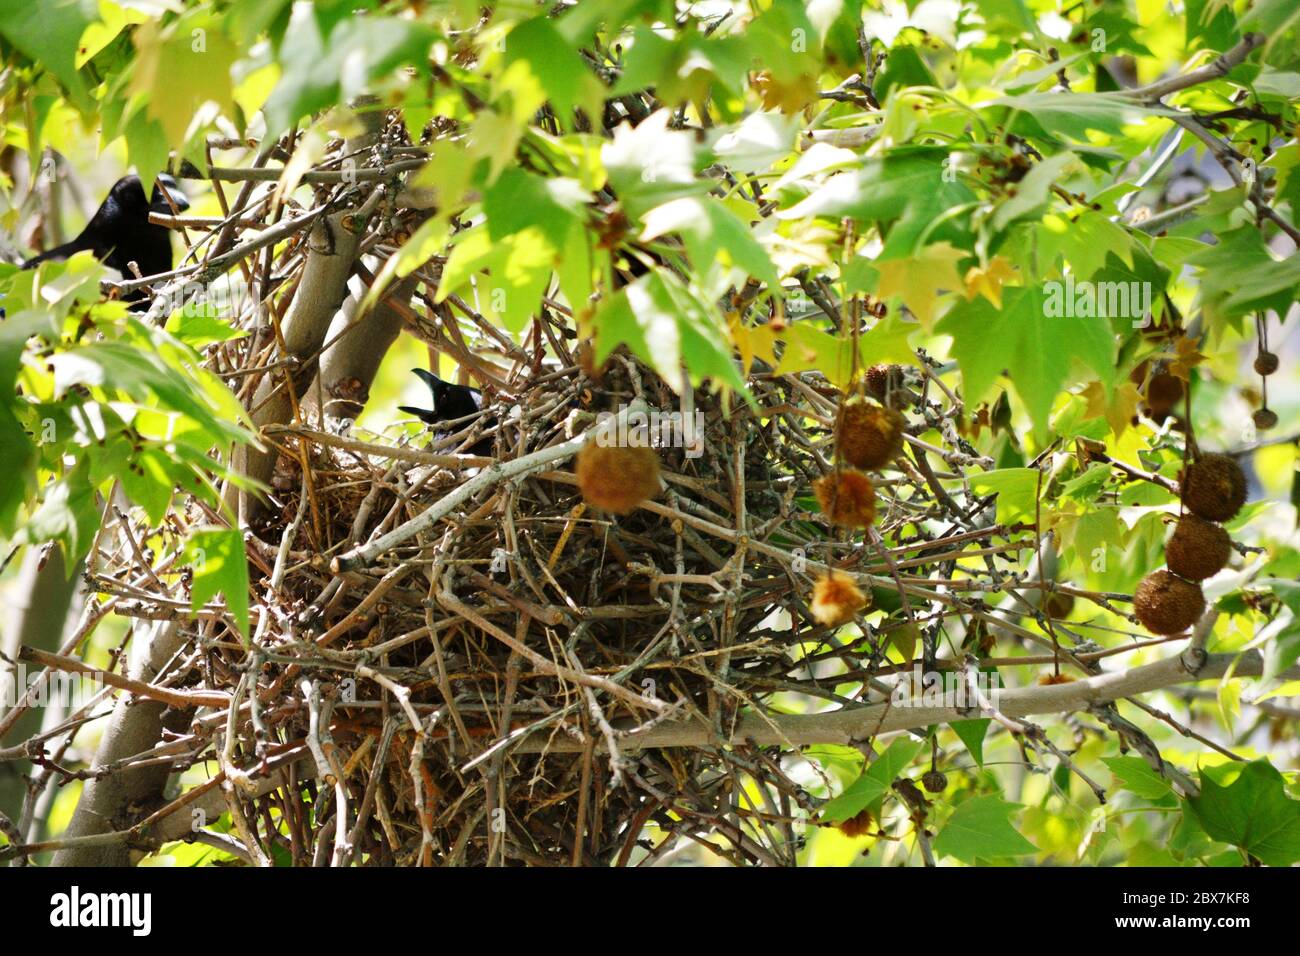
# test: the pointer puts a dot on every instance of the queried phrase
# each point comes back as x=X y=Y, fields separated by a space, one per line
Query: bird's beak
x=431 y=380
x=167 y=188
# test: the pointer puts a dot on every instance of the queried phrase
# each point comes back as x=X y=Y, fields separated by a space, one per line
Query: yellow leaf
x=808 y=348
x=180 y=67
x=753 y=341
x=1118 y=406
x=1186 y=357
x=988 y=280
x=918 y=281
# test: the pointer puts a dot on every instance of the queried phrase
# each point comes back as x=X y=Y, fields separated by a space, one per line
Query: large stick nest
x=533 y=637
x=475 y=694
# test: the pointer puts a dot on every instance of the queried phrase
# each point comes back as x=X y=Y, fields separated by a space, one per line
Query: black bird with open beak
x=120 y=231
x=452 y=403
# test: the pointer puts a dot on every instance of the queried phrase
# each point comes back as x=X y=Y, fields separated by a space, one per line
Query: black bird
x=450 y=403
x=120 y=231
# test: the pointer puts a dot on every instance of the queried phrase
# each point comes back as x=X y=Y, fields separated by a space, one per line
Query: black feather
x=452 y=403
x=120 y=231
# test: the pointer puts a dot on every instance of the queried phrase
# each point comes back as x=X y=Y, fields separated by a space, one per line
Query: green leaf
x=981 y=829
x=873 y=782
x=200 y=324
x=1033 y=191
x=1253 y=812
x=536 y=48
x=19 y=456
x=322 y=70
x=67 y=514
x=903 y=68
x=1135 y=775
x=1016 y=488
x=181 y=66
x=220 y=567
x=972 y=733
x=1034 y=348
x=48 y=33
x=912 y=182
x=650 y=164
x=519 y=200
x=709 y=228
x=1072 y=115
x=665 y=325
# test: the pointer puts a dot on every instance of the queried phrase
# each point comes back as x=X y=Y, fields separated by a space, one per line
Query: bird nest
x=461 y=663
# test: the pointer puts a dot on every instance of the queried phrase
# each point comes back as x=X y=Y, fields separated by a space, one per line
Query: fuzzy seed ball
x=1198 y=549
x=836 y=598
x=935 y=781
x=1166 y=604
x=617 y=479
x=1266 y=363
x=867 y=435
x=1214 y=487
x=847 y=498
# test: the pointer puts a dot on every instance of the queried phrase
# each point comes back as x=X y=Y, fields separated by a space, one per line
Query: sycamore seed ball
x=1198 y=549
x=1264 y=419
x=617 y=479
x=836 y=599
x=1266 y=363
x=847 y=497
x=1214 y=487
x=1164 y=392
x=1166 y=604
x=867 y=435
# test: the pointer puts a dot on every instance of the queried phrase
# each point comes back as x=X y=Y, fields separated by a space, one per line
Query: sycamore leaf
x=808 y=347
x=1135 y=775
x=712 y=233
x=1186 y=358
x=918 y=281
x=873 y=782
x=988 y=280
x=1033 y=348
x=180 y=67
x=666 y=326
x=887 y=342
x=1016 y=488
x=1253 y=812
x=220 y=567
x=752 y=341
x=1116 y=405
x=980 y=829
x=536 y=47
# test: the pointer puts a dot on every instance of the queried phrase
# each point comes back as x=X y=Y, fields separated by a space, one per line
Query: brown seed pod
x=1166 y=604
x=880 y=378
x=1264 y=419
x=1214 y=487
x=856 y=826
x=835 y=599
x=867 y=435
x=1266 y=363
x=1058 y=605
x=934 y=781
x=847 y=498
x=616 y=478
x=1198 y=549
x=1164 y=392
